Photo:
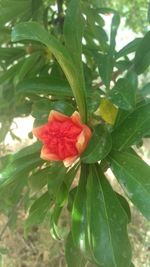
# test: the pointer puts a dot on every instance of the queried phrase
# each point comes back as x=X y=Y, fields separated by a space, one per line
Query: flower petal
x=55 y=115
x=76 y=118
x=80 y=144
x=46 y=155
x=69 y=161
x=83 y=139
x=40 y=131
x=88 y=132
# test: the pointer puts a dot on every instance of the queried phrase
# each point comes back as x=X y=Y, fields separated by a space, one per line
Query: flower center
x=62 y=137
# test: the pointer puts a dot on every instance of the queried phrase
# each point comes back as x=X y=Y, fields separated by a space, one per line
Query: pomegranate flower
x=64 y=138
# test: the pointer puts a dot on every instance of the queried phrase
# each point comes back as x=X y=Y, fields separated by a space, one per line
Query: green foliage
x=103 y=232
x=62 y=59
x=73 y=256
x=138 y=123
x=133 y=175
x=142 y=57
x=38 y=211
x=135 y=19
x=99 y=146
x=124 y=92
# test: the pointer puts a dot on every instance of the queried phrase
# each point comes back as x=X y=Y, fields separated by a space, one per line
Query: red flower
x=64 y=138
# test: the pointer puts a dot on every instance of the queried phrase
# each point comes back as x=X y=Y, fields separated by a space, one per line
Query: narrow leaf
x=129 y=48
x=79 y=216
x=38 y=211
x=125 y=206
x=39 y=179
x=56 y=177
x=134 y=176
x=99 y=145
x=107 y=222
x=73 y=33
x=44 y=85
x=114 y=27
x=73 y=255
x=123 y=93
x=133 y=128
x=105 y=66
x=142 y=56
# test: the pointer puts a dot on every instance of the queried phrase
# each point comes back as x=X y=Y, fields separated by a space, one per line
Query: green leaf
x=105 y=64
x=124 y=91
x=99 y=145
x=11 y=54
x=56 y=177
x=107 y=222
x=101 y=36
x=134 y=176
x=70 y=176
x=41 y=109
x=121 y=116
x=5 y=35
x=20 y=164
x=129 y=48
x=44 y=85
x=133 y=128
x=38 y=211
x=34 y=31
x=12 y=8
x=142 y=56
x=9 y=74
x=11 y=194
x=93 y=16
x=148 y=13
x=123 y=64
x=27 y=151
x=39 y=179
x=73 y=33
x=37 y=10
x=27 y=66
x=55 y=230
x=93 y=101
x=72 y=253
x=125 y=206
x=145 y=91
x=114 y=27
x=62 y=195
x=79 y=216
x=71 y=198
x=15 y=170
